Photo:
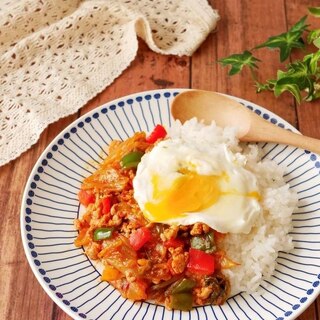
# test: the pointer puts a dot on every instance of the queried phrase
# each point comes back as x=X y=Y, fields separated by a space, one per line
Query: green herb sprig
x=301 y=77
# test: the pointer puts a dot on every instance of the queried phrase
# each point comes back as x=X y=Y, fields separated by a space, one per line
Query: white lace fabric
x=56 y=55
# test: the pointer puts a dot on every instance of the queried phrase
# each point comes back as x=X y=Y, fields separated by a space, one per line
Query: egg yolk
x=190 y=192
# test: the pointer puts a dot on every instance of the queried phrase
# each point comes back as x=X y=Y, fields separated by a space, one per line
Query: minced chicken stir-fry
x=178 y=266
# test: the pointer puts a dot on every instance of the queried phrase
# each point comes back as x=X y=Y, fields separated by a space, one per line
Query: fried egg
x=183 y=183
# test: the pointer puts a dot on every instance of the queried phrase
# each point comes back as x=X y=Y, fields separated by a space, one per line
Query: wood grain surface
x=243 y=24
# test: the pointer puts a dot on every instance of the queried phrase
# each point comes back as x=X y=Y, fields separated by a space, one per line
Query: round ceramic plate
x=50 y=205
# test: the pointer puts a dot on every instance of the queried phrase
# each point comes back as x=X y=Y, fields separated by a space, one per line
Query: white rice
x=257 y=251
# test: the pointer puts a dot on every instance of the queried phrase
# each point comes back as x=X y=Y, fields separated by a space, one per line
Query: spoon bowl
x=210 y=106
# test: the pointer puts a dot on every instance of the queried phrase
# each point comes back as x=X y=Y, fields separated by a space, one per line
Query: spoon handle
x=268 y=132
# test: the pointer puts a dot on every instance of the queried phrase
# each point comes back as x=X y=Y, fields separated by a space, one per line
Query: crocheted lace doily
x=55 y=55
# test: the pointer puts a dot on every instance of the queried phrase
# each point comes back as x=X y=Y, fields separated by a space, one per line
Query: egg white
x=236 y=208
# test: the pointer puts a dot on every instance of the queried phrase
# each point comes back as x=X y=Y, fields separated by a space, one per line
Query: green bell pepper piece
x=181 y=294
x=182 y=286
x=204 y=242
x=102 y=233
x=181 y=301
x=131 y=160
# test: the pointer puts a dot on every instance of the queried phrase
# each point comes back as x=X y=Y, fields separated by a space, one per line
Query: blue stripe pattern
x=50 y=205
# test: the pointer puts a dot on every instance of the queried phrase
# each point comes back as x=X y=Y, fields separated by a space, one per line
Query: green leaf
x=300 y=26
x=300 y=76
x=280 y=74
x=313 y=35
x=262 y=86
x=238 y=61
x=268 y=86
x=298 y=73
x=271 y=83
x=285 y=42
x=316 y=94
x=315 y=11
x=288 y=40
x=292 y=88
x=316 y=42
x=312 y=60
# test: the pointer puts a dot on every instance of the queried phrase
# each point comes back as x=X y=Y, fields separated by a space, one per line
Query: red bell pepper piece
x=159 y=132
x=200 y=262
x=140 y=238
x=174 y=243
x=106 y=205
x=86 y=197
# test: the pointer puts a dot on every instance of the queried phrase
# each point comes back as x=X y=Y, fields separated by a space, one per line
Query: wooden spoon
x=208 y=106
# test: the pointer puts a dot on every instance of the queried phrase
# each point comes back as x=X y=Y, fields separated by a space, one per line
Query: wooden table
x=243 y=24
